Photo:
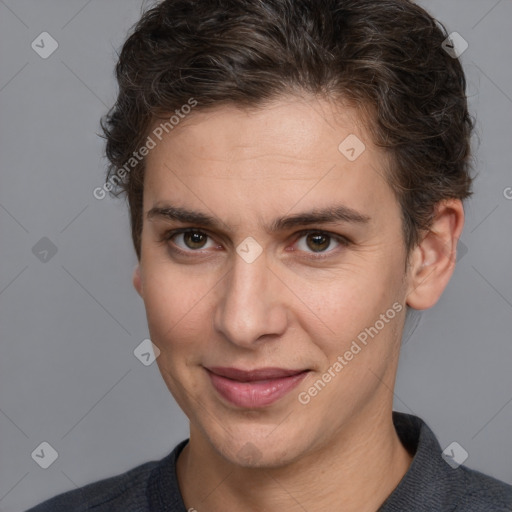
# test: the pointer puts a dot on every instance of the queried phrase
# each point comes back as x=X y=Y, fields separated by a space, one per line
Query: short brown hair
x=383 y=56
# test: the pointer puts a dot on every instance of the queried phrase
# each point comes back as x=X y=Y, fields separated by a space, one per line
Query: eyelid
x=342 y=240
x=171 y=233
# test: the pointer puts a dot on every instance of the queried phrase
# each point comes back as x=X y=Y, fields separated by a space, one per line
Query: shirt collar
x=430 y=482
x=428 y=485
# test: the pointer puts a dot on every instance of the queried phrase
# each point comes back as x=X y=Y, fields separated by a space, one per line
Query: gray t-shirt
x=430 y=485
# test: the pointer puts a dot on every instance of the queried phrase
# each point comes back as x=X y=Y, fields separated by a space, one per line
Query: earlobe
x=137 y=281
x=433 y=259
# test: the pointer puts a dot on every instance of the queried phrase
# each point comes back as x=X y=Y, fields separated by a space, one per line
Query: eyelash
x=168 y=235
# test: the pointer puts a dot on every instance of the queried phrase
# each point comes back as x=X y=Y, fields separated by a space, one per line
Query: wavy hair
x=385 y=57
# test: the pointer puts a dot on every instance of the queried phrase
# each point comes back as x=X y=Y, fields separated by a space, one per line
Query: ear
x=433 y=259
x=137 y=281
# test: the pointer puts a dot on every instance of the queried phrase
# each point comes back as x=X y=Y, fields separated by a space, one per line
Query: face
x=256 y=282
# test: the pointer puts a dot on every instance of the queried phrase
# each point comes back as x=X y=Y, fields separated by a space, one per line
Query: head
x=314 y=156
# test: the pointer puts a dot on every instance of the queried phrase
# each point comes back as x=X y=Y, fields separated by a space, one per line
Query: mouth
x=254 y=388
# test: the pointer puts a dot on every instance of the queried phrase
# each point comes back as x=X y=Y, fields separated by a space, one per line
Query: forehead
x=298 y=128
x=286 y=149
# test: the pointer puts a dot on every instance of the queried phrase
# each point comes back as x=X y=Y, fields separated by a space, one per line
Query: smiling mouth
x=254 y=388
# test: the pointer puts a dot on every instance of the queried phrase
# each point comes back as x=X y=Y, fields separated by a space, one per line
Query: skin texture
x=285 y=309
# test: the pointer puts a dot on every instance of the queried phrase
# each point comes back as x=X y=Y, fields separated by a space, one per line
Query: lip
x=254 y=388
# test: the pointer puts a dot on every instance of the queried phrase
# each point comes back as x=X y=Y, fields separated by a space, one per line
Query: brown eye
x=320 y=244
x=194 y=239
x=187 y=240
x=318 y=241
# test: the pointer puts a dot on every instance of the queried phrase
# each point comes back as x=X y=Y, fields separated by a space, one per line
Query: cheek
x=353 y=289
x=175 y=305
x=177 y=320
x=340 y=307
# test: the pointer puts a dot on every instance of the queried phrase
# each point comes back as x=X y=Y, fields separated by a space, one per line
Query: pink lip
x=254 y=388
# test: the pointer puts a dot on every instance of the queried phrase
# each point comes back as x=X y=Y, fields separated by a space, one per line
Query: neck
x=356 y=470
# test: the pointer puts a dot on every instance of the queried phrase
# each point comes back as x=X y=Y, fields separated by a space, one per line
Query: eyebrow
x=331 y=214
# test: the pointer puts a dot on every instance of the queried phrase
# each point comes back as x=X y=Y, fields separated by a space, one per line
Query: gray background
x=69 y=325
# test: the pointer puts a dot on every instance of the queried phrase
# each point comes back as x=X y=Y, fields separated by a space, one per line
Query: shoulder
x=434 y=483
x=483 y=493
x=126 y=492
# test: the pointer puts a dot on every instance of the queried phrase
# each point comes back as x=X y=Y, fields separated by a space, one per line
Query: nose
x=252 y=303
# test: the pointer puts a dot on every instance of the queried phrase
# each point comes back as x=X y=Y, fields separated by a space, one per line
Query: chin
x=252 y=449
